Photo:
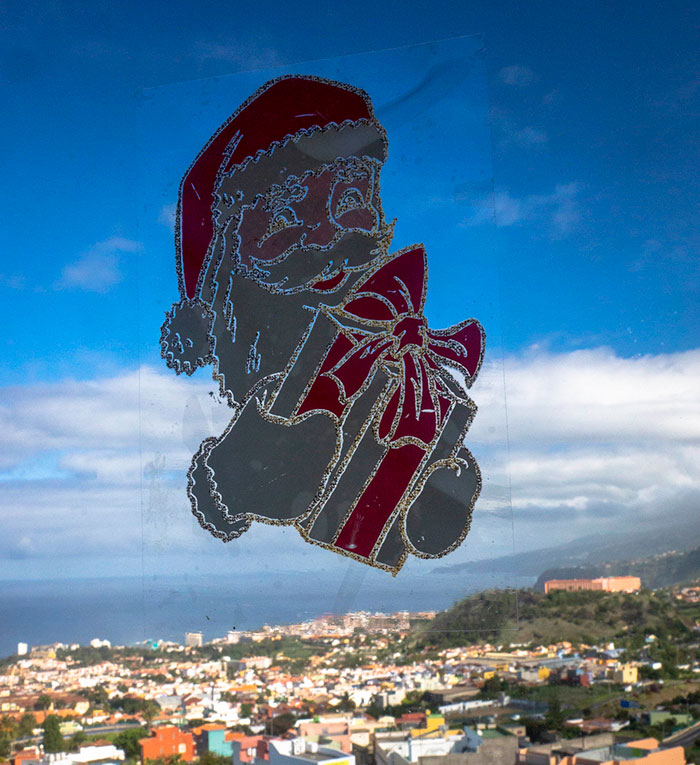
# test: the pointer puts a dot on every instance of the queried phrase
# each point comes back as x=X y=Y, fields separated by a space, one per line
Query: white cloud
x=559 y=210
x=99 y=268
x=517 y=75
x=512 y=134
x=590 y=441
x=97 y=468
x=142 y=408
x=573 y=442
x=629 y=477
x=13 y=282
x=595 y=396
x=501 y=208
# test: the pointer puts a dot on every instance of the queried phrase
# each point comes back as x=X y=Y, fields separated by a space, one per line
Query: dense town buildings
x=227 y=698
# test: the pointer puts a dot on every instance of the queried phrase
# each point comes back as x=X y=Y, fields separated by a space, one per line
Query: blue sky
x=580 y=210
x=594 y=119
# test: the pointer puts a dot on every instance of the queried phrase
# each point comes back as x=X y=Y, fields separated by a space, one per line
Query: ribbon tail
x=354 y=370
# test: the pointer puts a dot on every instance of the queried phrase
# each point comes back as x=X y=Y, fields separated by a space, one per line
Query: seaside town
x=381 y=689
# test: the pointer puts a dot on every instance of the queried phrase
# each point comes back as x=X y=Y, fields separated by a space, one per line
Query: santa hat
x=290 y=126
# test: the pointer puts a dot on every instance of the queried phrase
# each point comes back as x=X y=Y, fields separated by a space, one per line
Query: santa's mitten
x=439 y=518
x=186 y=338
x=268 y=470
x=206 y=503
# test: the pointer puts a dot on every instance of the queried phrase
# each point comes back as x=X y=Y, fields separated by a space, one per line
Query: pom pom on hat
x=186 y=339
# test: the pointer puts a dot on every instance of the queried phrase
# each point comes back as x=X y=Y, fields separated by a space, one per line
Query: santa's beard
x=261 y=316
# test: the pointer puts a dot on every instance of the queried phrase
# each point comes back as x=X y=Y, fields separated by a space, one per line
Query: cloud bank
x=571 y=443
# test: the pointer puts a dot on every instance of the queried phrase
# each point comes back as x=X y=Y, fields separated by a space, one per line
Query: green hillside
x=527 y=616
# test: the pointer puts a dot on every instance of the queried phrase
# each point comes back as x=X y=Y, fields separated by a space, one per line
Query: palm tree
x=8 y=727
x=149 y=711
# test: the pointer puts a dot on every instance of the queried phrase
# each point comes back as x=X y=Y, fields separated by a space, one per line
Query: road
x=112 y=728
x=96 y=731
x=682 y=737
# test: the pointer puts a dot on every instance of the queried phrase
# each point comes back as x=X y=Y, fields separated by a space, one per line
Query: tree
x=27 y=724
x=535 y=729
x=130 y=705
x=282 y=723
x=98 y=697
x=52 y=740
x=5 y=745
x=149 y=711
x=211 y=758
x=128 y=741
x=555 y=715
x=244 y=729
x=171 y=759
x=374 y=710
x=76 y=740
x=346 y=704
x=43 y=702
x=647 y=673
x=8 y=732
x=491 y=688
x=246 y=709
x=8 y=726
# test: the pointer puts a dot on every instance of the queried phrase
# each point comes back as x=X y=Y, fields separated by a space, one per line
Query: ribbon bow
x=390 y=302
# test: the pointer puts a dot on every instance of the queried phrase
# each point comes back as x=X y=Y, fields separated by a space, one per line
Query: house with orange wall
x=167 y=741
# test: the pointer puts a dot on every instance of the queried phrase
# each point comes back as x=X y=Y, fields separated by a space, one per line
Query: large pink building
x=604 y=584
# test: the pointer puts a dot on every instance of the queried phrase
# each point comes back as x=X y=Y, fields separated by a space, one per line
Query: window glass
x=432 y=102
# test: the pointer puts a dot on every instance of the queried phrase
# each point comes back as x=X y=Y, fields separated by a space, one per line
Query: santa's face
x=293 y=246
x=312 y=228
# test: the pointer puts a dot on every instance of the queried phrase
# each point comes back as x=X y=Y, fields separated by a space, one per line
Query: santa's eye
x=281 y=220
x=350 y=199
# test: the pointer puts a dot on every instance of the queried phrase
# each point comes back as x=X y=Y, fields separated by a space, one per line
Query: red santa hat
x=291 y=110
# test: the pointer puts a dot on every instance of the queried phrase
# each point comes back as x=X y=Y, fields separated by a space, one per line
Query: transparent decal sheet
x=346 y=419
x=310 y=204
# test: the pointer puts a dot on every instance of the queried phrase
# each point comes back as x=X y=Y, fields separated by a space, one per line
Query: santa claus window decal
x=348 y=411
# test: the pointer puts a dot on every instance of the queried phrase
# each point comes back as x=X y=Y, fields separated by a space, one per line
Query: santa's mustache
x=304 y=266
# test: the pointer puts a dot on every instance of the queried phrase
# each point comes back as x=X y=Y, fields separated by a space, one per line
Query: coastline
x=132 y=609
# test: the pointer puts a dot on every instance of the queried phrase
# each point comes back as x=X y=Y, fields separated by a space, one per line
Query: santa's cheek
x=255 y=241
x=361 y=219
x=277 y=244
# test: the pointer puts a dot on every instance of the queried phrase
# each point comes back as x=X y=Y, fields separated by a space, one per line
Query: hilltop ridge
x=527 y=616
x=648 y=542
x=662 y=570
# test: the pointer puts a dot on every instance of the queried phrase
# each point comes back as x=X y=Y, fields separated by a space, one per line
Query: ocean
x=132 y=609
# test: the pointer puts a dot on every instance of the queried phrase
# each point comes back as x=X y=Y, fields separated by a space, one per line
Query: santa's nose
x=321 y=233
